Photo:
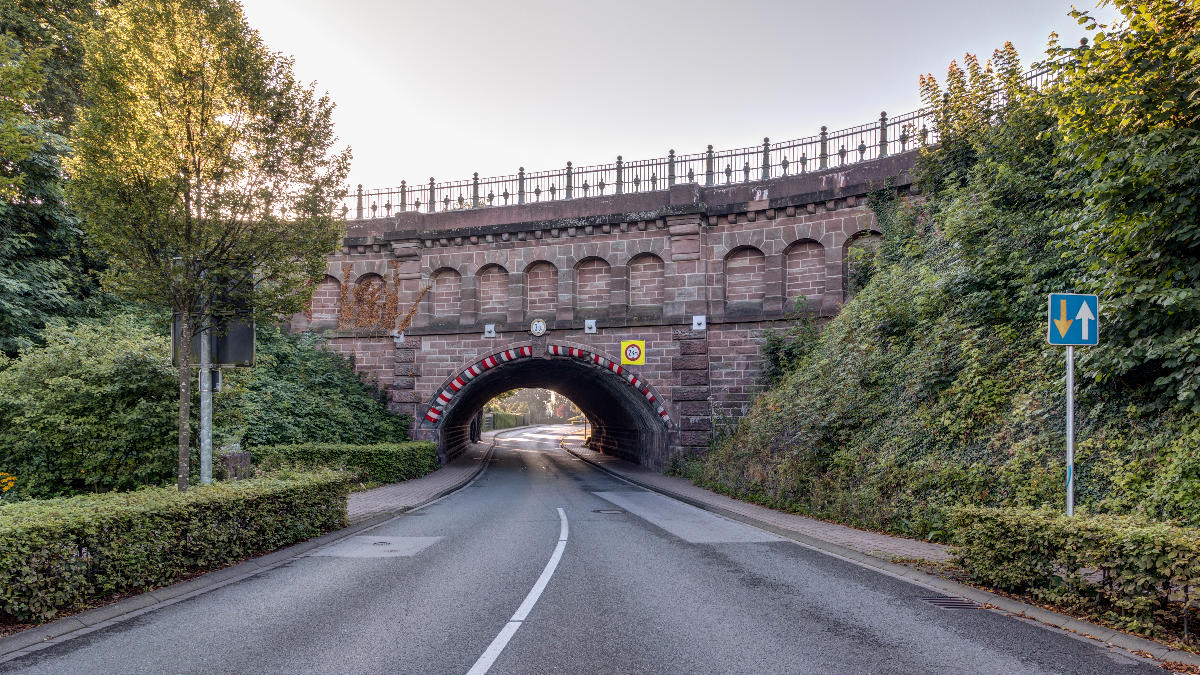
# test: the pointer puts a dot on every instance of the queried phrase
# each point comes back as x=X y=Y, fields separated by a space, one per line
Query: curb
x=68 y=628
x=1016 y=608
x=479 y=467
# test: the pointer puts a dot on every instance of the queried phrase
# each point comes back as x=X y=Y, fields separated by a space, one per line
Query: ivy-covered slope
x=934 y=387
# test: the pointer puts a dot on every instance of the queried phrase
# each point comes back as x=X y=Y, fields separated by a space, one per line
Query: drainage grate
x=608 y=511
x=945 y=602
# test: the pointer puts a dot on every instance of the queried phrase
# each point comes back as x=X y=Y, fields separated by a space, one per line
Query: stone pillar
x=564 y=311
x=618 y=295
x=693 y=408
x=515 y=310
x=403 y=397
x=773 y=297
x=470 y=301
x=685 y=274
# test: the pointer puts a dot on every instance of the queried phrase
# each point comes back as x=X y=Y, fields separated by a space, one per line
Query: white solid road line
x=490 y=654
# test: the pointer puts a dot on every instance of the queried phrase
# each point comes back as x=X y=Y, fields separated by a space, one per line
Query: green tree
x=203 y=169
x=1128 y=109
x=55 y=29
x=41 y=261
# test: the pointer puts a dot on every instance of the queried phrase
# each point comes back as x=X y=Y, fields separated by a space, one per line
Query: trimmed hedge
x=502 y=420
x=60 y=554
x=382 y=462
x=1130 y=570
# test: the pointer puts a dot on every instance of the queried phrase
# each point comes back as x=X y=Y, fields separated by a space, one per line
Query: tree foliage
x=203 y=169
x=41 y=260
x=934 y=386
x=1128 y=110
x=45 y=270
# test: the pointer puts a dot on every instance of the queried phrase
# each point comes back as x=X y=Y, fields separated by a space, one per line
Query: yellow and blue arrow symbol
x=1073 y=319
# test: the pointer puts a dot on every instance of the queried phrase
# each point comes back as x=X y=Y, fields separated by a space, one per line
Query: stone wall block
x=690 y=362
x=689 y=393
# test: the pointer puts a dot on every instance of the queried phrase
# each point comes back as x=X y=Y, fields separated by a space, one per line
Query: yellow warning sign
x=633 y=352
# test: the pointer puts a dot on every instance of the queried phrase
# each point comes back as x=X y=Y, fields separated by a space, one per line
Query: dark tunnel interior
x=622 y=422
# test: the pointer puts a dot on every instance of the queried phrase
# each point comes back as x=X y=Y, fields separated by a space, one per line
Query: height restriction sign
x=633 y=352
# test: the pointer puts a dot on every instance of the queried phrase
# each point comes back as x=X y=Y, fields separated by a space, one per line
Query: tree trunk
x=185 y=398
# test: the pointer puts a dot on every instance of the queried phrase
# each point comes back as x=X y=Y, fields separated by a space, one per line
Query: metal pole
x=1070 y=430
x=206 y=405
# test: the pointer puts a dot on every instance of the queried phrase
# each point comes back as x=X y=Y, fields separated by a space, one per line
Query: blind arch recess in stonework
x=593 y=278
x=491 y=287
x=541 y=290
x=745 y=279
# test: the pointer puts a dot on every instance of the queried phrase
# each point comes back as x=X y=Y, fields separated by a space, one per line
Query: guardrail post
x=824 y=148
x=432 y=198
x=403 y=196
x=475 y=191
x=708 y=166
x=620 y=177
x=883 y=134
x=671 y=168
x=521 y=185
x=766 y=160
x=358 y=210
x=570 y=182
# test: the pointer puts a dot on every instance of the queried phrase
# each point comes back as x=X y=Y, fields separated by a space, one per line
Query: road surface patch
x=689 y=523
x=376 y=546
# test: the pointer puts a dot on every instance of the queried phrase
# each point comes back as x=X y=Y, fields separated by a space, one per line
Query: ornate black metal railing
x=828 y=150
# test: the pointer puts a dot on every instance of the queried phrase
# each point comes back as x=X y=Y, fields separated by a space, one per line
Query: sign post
x=1069 y=322
x=206 y=405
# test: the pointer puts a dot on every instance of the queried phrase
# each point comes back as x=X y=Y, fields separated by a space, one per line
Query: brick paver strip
x=872 y=543
x=405 y=495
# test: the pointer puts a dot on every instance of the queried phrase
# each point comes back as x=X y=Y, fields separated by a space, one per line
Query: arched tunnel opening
x=621 y=421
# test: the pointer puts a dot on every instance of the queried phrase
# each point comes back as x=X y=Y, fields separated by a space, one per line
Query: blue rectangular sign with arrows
x=1073 y=319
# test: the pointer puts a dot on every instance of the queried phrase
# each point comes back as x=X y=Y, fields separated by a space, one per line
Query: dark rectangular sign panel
x=232 y=343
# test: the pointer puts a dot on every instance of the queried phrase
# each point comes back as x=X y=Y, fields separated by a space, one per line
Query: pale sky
x=444 y=89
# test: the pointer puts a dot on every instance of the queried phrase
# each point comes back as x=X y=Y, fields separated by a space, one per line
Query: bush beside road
x=379 y=463
x=57 y=555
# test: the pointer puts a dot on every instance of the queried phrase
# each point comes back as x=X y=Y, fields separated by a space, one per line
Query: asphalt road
x=630 y=582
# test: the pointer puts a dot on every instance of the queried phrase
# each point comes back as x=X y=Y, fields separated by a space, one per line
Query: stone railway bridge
x=641 y=265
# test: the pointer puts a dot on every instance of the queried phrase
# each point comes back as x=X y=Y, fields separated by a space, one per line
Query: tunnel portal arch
x=626 y=414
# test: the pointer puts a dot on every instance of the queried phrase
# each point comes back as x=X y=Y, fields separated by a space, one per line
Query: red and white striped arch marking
x=443 y=399
x=616 y=369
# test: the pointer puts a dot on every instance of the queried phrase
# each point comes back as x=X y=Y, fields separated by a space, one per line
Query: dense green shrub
x=502 y=420
x=299 y=393
x=1127 y=569
x=93 y=410
x=382 y=462
x=60 y=554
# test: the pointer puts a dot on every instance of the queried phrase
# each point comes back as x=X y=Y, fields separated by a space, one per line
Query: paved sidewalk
x=871 y=543
x=405 y=495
